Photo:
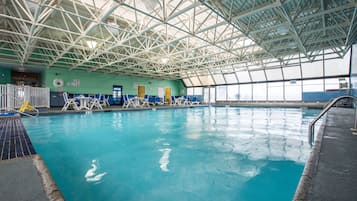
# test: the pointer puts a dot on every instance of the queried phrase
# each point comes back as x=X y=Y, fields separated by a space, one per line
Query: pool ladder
x=326 y=109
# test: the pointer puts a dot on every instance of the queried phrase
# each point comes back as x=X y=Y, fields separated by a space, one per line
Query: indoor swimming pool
x=207 y=153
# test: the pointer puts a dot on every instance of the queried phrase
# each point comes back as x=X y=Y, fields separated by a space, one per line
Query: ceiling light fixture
x=282 y=30
x=164 y=60
x=91 y=44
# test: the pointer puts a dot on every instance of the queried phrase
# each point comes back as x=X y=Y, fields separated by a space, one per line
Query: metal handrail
x=326 y=109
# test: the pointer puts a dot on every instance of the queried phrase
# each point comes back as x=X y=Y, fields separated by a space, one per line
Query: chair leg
x=65 y=107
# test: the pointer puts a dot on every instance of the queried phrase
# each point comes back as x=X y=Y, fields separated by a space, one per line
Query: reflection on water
x=259 y=133
x=164 y=160
x=117 y=120
x=91 y=175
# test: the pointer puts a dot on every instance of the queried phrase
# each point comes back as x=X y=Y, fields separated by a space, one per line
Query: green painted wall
x=181 y=88
x=92 y=83
x=5 y=75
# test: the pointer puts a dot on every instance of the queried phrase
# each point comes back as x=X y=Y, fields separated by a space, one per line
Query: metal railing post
x=326 y=109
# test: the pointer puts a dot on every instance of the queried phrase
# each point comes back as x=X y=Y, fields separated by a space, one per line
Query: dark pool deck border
x=14 y=141
x=330 y=174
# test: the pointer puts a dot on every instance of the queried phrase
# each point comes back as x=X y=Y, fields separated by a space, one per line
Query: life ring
x=58 y=82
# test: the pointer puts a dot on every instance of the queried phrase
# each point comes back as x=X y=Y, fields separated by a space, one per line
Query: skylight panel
x=243 y=76
x=218 y=78
x=187 y=82
x=291 y=72
x=195 y=81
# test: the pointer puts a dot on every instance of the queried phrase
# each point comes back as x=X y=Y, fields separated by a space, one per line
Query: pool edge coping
x=305 y=183
x=50 y=187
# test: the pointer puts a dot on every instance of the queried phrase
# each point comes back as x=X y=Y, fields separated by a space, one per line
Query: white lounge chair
x=145 y=101
x=173 y=100
x=69 y=102
x=105 y=101
x=127 y=102
x=95 y=102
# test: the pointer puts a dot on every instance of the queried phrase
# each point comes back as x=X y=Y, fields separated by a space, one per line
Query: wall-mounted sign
x=74 y=83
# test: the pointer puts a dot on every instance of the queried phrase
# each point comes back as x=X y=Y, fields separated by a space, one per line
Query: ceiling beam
x=104 y=14
x=254 y=10
x=295 y=33
x=40 y=16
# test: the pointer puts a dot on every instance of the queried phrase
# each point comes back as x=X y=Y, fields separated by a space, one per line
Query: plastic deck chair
x=185 y=100
x=194 y=101
x=152 y=100
x=95 y=102
x=173 y=100
x=127 y=101
x=105 y=101
x=146 y=101
x=69 y=102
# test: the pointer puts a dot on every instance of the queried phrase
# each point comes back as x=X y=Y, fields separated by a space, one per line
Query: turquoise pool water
x=195 y=154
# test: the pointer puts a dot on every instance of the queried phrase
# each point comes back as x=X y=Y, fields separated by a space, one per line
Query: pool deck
x=24 y=175
x=331 y=172
x=27 y=179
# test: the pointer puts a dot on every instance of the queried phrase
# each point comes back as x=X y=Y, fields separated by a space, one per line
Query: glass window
x=274 y=74
x=221 y=93
x=331 y=83
x=187 y=82
x=232 y=92
x=243 y=76
x=197 y=91
x=313 y=69
x=354 y=60
x=207 y=80
x=336 y=83
x=292 y=72
x=230 y=78
x=205 y=95
x=313 y=85
x=212 y=97
x=190 y=91
x=245 y=92
x=257 y=76
x=195 y=81
x=293 y=91
x=338 y=66
x=260 y=92
x=218 y=78
x=276 y=91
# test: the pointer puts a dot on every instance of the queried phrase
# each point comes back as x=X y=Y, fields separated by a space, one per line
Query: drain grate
x=14 y=141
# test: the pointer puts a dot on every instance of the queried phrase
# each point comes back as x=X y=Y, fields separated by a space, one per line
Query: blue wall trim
x=323 y=96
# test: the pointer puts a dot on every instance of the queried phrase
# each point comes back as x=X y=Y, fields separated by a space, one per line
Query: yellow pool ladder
x=26 y=106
